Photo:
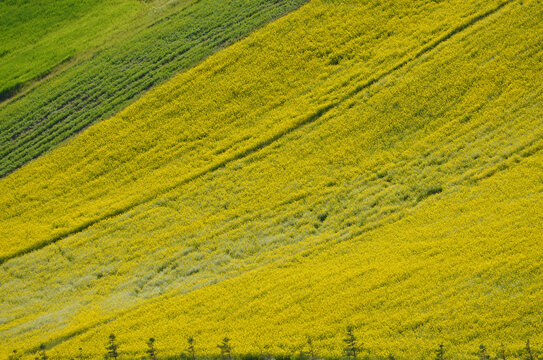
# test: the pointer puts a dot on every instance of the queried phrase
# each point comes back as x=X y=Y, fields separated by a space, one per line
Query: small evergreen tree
x=226 y=348
x=43 y=355
x=190 y=348
x=482 y=353
x=151 y=350
x=351 y=349
x=112 y=348
x=440 y=352
x=528 y=350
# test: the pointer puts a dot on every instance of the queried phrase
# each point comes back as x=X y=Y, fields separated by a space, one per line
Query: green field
x=94 y=88
x=37 y=36
x=376 y=164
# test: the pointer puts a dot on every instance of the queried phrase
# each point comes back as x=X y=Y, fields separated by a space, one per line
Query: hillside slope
x=153 y=47
x=463 y=270
x=37 y=36
x=241 y=100
x=368 y=147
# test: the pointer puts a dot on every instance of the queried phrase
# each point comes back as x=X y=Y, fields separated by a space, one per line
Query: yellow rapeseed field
x=369 y=163
x=234 y=103
x=462 y=270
